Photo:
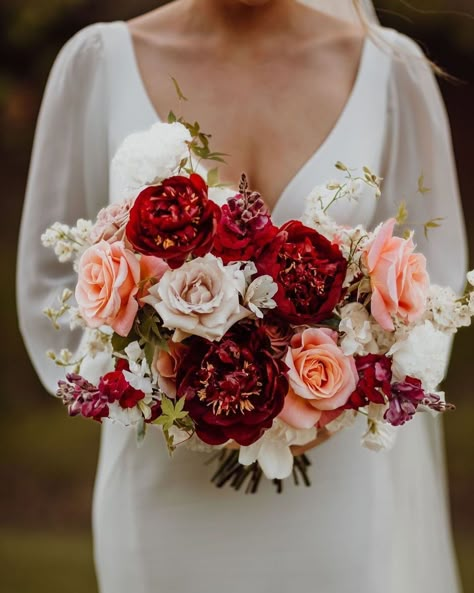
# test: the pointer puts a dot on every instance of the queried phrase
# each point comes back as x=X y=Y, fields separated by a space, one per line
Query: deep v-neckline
x=311 y=161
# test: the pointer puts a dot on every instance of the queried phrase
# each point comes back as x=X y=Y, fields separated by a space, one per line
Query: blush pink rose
x=321 y=377
x=109 y=274
x=111 y=223
x=398 y=278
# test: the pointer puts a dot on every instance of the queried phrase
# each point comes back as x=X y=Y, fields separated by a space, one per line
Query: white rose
x=357 y=329
x=423 y=354
x=146 y=158
x=200 y=298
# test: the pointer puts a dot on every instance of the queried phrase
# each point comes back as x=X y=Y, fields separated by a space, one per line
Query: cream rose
x=108 y=282
x=321 y=377
x=398 y=278
x=200 y=298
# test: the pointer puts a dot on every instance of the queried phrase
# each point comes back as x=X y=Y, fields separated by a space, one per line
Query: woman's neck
x=234 y=18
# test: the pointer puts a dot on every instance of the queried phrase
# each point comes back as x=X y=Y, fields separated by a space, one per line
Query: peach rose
x=166 y=365
x=108 y=282
x=151 y=271
x=321 y=377
x=398 y=277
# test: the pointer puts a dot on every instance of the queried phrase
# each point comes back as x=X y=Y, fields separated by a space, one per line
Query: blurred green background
x=47 y=461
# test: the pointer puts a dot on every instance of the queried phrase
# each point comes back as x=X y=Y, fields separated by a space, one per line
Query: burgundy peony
x=309 y=271
x=233 y=388
x=375 y=375
x=174 y=220
x=244 y=228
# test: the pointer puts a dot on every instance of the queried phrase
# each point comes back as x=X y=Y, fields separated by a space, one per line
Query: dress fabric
x=369 y=522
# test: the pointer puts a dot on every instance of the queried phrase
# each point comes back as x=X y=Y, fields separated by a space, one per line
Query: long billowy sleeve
x=68 y=179
x=419 y=143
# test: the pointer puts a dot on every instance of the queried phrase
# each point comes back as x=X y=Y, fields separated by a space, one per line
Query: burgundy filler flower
x=244 y=228
x=375 y=376
x=116 y=388
x=82 y=398
x=173 y=220
x=233 y=388
x=309 y=271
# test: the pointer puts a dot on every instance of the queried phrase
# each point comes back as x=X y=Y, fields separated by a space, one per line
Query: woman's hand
x=323 y=436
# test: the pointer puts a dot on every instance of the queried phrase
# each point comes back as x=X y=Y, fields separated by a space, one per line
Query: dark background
x=47 y=461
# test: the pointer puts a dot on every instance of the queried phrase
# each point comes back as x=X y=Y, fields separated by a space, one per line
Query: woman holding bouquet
x=286 y=90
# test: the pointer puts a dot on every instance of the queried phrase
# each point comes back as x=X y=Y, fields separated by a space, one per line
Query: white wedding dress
x=370 y=523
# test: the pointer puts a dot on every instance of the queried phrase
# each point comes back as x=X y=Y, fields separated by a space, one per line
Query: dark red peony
x=233 y=388
x=309 y=271
x=173 y=220
x=245 y=227
x=375 y=376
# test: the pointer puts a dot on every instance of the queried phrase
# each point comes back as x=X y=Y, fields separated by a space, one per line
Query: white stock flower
x=421 y=353
x=200 y=298
x=146 y=158
x=272 y=450
x=380 y=435
x=356 y=326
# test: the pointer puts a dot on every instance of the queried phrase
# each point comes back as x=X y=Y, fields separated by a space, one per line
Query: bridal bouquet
x=203 y=318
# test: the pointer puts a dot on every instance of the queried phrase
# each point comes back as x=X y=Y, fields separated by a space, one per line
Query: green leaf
x=402 y=214
x=119 y=343
x=434 y=223
x=421 y=185
x=213 y=177
x=171 y=117
x=179 y=92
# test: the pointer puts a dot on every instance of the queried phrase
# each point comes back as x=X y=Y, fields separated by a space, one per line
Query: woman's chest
x=278 y=137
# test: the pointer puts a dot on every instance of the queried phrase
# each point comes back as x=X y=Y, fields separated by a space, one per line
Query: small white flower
x=272 y=450
x=344 y=420
x=380 y=435
x=64 y=251
x=356 y=326
x=134 y=351
x=124 y=416
x=259 y=295
x=75 y=319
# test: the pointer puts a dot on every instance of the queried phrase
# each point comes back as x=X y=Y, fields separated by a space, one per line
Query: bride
x=286 y=90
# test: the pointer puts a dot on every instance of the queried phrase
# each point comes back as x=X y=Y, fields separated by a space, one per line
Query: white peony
x=146 y=158
x=422 y=353
x=200 y=298
x=272 y=450
x=380 y=435
x=356 y=325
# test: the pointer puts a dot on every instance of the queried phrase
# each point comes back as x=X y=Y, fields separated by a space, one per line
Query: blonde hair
x=369 y=30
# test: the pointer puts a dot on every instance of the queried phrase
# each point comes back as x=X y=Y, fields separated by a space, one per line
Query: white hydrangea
x=422 y=353
x=380 y=435
x=146 y=158
x=272 y=450
x=356 y=325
